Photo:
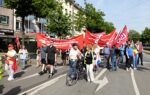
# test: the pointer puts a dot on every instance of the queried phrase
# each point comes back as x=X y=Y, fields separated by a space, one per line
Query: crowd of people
x=131 y=51
x=92 y=56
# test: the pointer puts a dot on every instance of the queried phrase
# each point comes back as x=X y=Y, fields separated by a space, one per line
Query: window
x=70 y=13
x=70 y=5
x=1 y=2
x=4 y=19
x=66 y=2
x=17 y=25
x=66 y=11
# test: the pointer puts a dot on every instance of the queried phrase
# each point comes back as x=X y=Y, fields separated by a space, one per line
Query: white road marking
x=100 y=74
x=101 y=83
x=146 y=62
x=134 y=83
x=33 y=75
x=30 y=76
x=34 y=90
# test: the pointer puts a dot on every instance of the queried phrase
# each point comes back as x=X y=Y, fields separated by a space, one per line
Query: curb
x=146 y=51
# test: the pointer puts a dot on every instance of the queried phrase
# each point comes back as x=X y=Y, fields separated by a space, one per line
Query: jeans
x=23 y=62
x=135 y=61
x=114 y=63
x=72 y=65
x=106 y=61
x=121 y=58
x=129 y=62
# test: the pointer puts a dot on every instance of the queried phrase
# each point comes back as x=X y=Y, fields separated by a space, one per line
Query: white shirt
x=23 y=53
x=11 y=53
x=97 y=52
x=73 y=54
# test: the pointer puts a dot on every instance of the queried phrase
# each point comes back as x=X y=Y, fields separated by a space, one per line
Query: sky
x=133 y=13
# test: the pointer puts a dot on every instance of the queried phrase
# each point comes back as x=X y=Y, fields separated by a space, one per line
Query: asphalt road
x=121 y=82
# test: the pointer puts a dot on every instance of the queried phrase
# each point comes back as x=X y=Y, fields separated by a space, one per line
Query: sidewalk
x=26 y=79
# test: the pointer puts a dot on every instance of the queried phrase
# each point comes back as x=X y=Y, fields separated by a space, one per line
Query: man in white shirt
x=74 y=54
x=23 y=56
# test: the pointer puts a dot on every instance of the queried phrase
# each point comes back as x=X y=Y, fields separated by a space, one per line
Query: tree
x=134 y=35
x=80 y=20
x=59 y=23
x=22 y=8
x=146 y=35
x=92 y=19
x=44 y=7
x=108 y=27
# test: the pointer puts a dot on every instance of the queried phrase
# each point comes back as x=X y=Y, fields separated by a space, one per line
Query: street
x=121 y=82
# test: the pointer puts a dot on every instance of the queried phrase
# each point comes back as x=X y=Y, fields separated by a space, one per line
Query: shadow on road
x=19 y=74
x=143 y=68
x=27 y=66
x=1 y=89
x=14 y=91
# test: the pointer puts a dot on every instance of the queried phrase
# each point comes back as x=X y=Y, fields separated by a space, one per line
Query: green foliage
x=80 y=20
x=44 y=7
x=1 y=70
x=59 y=23
x=23 y=7
x=134 y=35
x=146 y=35
x=93 y=20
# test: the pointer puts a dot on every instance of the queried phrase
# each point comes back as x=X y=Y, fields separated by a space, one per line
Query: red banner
x=91 y=38
x=122 y=37
x=59 y=43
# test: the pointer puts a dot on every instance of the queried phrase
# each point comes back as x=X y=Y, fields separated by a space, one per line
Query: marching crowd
x=92 y=57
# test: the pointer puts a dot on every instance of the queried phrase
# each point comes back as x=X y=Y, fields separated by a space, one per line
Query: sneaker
x=50 y=75
x=45 y=71
x=130 y=68
x=127 y=69
x=41 y=73
x=10 y=79
x=135 y=68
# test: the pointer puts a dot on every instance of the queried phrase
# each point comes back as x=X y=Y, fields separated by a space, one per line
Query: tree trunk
x=23 y=30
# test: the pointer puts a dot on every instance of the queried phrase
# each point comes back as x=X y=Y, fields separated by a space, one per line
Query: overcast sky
x=133 y=13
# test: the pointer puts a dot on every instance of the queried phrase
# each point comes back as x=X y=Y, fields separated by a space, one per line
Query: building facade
x=70 y=7
x=10 y=24
x=6 y=21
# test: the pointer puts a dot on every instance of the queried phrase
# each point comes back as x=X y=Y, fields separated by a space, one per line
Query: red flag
x=17 y=41
x=112 y=39
x=91 y=38
x=122 y=37
x=107 y=39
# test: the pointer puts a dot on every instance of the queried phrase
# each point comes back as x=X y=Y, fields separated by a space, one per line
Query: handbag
x=98 y=62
